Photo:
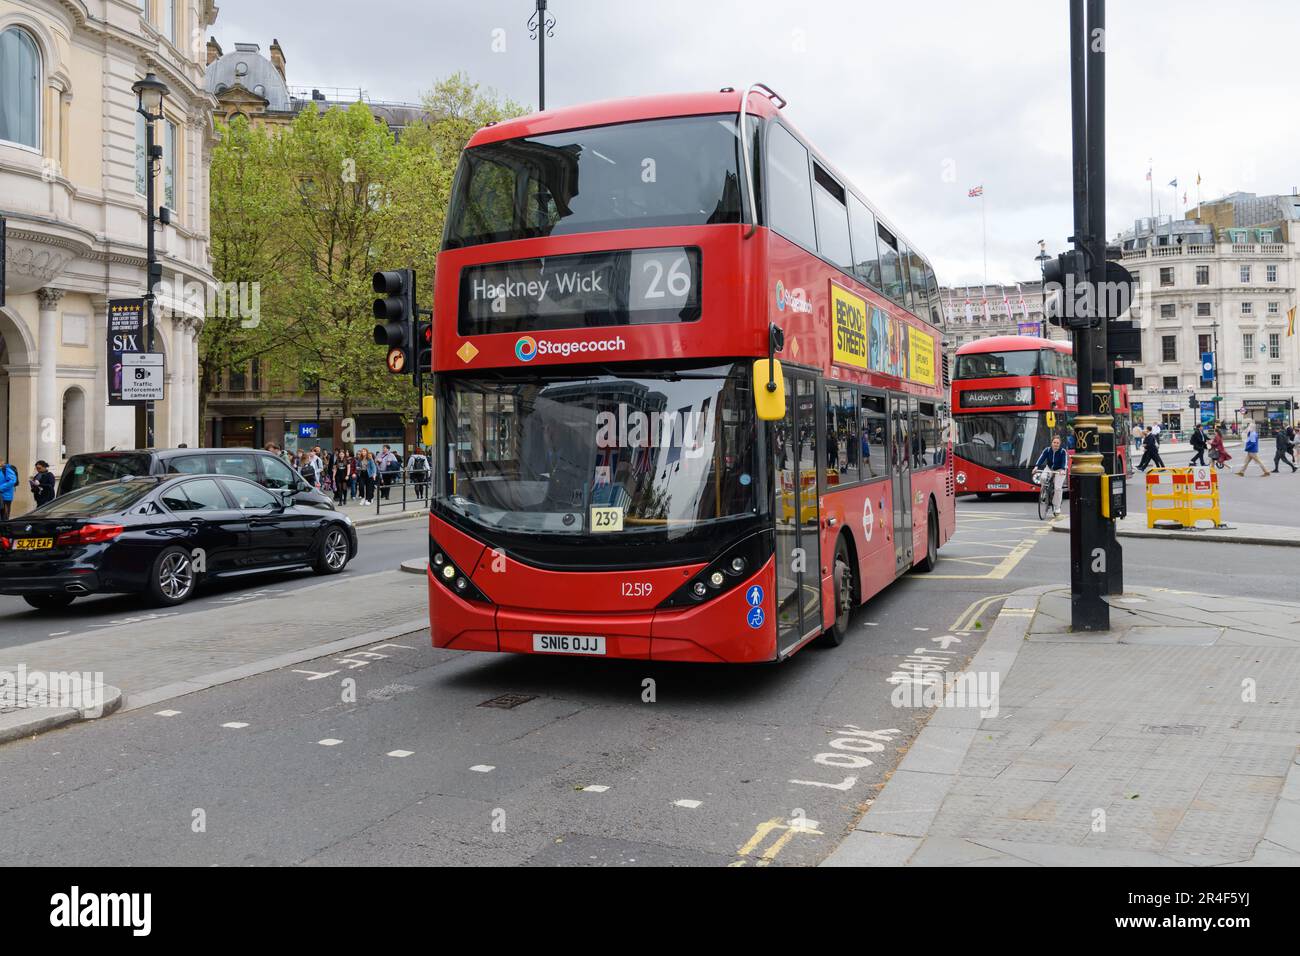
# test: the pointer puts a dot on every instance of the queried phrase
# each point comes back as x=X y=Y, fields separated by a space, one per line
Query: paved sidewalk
x=1135 y=526
x=1169 y=740
x=363 y=514
x=157 y=655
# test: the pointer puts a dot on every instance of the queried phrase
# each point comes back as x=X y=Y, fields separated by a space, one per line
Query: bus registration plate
x=568 y=644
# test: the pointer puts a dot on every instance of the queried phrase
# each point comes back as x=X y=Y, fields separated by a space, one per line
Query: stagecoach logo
x=528 y=348
x=795 y=299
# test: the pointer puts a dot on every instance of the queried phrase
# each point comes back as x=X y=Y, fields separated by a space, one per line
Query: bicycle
x=1046 y=479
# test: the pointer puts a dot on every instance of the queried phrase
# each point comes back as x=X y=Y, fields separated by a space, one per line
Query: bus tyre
x=843 y=582
x=983 y=495
x=926 y=564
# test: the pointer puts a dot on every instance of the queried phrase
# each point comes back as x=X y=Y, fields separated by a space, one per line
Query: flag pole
x=984 y=228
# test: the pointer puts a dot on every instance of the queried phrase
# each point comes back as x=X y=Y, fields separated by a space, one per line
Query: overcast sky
x=916 y=102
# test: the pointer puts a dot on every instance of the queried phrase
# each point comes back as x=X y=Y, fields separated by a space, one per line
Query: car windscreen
x=106 y=498
x=82 y=470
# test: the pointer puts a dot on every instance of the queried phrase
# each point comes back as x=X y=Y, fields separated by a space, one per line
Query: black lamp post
x=540 y=25
x=150 y=92
x=1042 y=259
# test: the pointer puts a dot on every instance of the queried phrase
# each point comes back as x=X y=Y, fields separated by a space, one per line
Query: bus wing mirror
x=769 y=390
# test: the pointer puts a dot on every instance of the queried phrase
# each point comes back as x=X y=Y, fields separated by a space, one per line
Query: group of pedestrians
x=1284 y=442
x=360 y=475
x=40 y=484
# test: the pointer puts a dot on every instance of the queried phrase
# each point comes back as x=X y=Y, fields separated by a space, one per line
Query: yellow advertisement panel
x=922 y=349
x=848 y=327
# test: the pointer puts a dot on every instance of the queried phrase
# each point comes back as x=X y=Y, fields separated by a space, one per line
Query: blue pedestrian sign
x=755 y=617
x=754 y=596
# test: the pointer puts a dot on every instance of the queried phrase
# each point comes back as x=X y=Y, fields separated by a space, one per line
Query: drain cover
x=1180 y=730
x=508 y=701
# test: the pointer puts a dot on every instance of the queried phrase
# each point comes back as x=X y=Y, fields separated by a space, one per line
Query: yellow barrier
x=1183 y=496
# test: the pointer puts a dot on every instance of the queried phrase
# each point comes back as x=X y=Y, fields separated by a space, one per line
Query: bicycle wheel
x=1045 y=499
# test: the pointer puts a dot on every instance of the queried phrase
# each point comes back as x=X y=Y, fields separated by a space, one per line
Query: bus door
x=900 y=427
x=795 y=465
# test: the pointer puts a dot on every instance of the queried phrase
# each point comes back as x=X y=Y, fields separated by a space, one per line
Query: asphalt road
x=599 y=762
x=379 y=548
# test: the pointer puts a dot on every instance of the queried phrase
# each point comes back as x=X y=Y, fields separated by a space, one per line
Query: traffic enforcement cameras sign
x=142 y=376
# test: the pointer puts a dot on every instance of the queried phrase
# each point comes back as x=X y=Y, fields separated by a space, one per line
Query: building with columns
x=72 y=183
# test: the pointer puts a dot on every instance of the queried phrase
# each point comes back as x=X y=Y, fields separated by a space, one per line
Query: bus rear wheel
x=927 y=564
x=843 y=578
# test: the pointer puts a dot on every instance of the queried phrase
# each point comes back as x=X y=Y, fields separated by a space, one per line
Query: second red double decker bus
x=617 y=473
x=1010 y=395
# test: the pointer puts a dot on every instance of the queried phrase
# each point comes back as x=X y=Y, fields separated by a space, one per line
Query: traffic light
x=396 y=314
x=1192 y=402
x=1064 y=280
x=424 y=346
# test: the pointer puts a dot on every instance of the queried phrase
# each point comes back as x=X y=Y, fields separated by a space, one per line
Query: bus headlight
x=725 y=572
x=443 y=569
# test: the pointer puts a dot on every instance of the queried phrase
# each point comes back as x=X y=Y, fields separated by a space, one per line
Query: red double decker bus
x=1010 y=395
x=614 y=475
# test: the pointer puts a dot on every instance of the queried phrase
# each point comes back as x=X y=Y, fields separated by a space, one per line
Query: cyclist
x=1051 y=467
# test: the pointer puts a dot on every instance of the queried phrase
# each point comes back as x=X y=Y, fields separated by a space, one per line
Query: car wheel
x=334 y=555
x=843 y=578
x=172 y=578
x=931 y=544
x=49 y=602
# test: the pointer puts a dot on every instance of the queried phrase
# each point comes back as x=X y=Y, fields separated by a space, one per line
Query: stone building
x=72 y=183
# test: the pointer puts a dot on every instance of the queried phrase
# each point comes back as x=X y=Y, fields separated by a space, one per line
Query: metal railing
x=402 y=491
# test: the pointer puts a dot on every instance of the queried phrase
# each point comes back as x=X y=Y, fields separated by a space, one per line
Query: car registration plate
x=33 y=544
x=568 y=644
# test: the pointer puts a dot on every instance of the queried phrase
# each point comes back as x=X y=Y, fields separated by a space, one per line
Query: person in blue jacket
x=8 y=482
x=1054 y=459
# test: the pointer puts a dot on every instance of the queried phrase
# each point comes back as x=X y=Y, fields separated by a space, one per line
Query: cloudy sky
x=915 y=102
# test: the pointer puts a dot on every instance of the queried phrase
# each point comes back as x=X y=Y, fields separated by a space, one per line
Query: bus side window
x=875 y=452
x=927 y=437
x=862 y=228
x=891 y=274
x=905 y=266
x=843 y=441
x=789 y=188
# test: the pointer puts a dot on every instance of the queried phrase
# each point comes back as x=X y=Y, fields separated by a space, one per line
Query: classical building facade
x=247 y=407
x=72 y=183
x=1217 y=286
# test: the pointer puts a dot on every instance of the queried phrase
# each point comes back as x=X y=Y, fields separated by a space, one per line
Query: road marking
x=787 y=830
x=166 y=713
x=58 y=633
x=688 y=804
x=235 y=725
x=1003 y=568
x=966 y=620
x=329 y=742
x=595 y=788
x=945 y=640
x=920 y=628
x=871 y=624
x=400 y=753
x=482 y=768
x=375 y=647
x=315 y=675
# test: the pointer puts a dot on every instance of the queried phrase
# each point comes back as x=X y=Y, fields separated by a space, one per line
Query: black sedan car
x=162 y=536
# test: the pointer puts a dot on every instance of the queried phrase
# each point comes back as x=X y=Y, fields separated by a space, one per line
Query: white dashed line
x=400 y=753
x=165 y=713
x=482 y=768
x=329 y=742
x=871 y=624
x=595 y=788
x=688 y=804
x=59 y=633
x=235 y=725
x=920 y=628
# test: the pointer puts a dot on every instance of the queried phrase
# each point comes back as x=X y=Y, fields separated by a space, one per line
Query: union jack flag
x=976 y=191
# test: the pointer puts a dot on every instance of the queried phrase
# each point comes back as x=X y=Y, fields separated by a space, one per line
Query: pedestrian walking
x=417 y=470
x=389 y=468
x=1217 y=452
x=367 y=471
x=1251 y=449
x=1151 y=450
x=1283 y=450
x=8 y=482
x=1199 y=445
x=341 y=478
x=42 y=483
x=352 y=476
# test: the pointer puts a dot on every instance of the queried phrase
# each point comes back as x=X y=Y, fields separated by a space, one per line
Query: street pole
x=1103 y=389
x=1088 y=553
x=1214 y=331
x=540 y=25
x=150 y=255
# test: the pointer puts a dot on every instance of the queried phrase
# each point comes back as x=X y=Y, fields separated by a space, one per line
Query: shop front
x=1269 y=414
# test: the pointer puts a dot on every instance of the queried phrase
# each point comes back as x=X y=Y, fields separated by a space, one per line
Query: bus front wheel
x=843 y=578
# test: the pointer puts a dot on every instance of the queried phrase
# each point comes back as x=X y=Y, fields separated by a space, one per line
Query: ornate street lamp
x=149 y=93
